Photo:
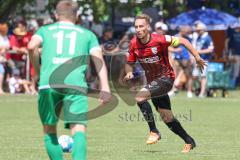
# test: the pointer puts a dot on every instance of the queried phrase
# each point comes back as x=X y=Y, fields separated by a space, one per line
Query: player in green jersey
x=62 y=42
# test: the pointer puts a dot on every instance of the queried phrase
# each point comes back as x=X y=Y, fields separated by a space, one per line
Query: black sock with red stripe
x=147 y=112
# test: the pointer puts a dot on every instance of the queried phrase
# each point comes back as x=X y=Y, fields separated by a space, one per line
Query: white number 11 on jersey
x=61 y=38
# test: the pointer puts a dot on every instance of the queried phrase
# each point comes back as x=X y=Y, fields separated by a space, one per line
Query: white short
x=196 y=72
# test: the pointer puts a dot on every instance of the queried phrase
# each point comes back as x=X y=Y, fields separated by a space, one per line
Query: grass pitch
x=121 y=134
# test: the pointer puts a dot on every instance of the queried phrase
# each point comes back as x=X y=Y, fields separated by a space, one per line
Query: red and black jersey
x=153 y=56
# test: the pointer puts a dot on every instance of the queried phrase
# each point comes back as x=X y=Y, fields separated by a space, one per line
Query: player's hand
x=128 y=77
x=200 y=63
x=104 y=97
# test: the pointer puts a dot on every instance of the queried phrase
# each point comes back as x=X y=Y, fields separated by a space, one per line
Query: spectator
x=204 y=45
x=182 y=63
x=97 y=28
x=233 y=47
x=107 y=35
x=107 y=39
x=33 y=25
x=129 y=34
x=18 y=44
x=4 y=46
x=160 y=28
x=18 y=85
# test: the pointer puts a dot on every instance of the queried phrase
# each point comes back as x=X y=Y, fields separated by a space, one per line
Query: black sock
x=148 y=115
x=177 y=128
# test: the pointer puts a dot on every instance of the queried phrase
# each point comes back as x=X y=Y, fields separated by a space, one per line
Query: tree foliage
x=101 y=8
x=10 y=7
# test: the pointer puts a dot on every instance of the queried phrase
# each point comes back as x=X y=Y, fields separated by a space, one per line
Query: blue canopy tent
x=214 y=19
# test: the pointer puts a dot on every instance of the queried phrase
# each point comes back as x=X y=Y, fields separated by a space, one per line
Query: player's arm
x=101 y=69
x=128 y=71
x=33 y=46
x=179 y=40
x=131 y=59
x=174 y=49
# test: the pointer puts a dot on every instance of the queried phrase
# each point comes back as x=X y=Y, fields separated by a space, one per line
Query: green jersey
x=61 y=42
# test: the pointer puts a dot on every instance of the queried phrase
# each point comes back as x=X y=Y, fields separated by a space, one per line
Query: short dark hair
x=67 y=9
x=144 y=16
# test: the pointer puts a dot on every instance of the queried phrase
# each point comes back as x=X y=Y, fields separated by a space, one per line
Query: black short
x=159 y=86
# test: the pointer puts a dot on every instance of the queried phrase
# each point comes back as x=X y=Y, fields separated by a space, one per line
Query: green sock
x=52 y=146
x=79 y=149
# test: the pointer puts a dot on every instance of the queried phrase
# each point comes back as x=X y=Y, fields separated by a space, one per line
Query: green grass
x=213 y=122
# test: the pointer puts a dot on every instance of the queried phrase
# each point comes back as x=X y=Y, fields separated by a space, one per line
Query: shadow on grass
x=148 y=151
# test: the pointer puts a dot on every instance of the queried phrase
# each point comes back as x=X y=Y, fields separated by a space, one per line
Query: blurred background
x=211 y=25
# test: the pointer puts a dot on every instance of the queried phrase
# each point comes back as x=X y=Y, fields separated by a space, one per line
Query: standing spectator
x=160 y=28
x=182 y=62
x=204 y=45
x=4 y=46
x=107 y=38
x=233 y=48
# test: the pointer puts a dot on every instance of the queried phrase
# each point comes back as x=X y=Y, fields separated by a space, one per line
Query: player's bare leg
x=79 y=150
x=52 y=146
x=141 y=97
x=77 y=128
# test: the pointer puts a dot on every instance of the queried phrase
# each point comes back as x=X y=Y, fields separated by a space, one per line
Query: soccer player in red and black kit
x=151 y=50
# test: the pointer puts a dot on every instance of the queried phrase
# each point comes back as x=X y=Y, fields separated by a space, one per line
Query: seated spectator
x=18 y=85
x=204 y=45
x=107 y=35
x=18 y=45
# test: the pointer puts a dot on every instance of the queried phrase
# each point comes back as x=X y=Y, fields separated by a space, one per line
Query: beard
x=141 y=36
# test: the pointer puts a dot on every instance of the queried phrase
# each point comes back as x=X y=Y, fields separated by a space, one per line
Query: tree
x=104 y=8
x=9 y=7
